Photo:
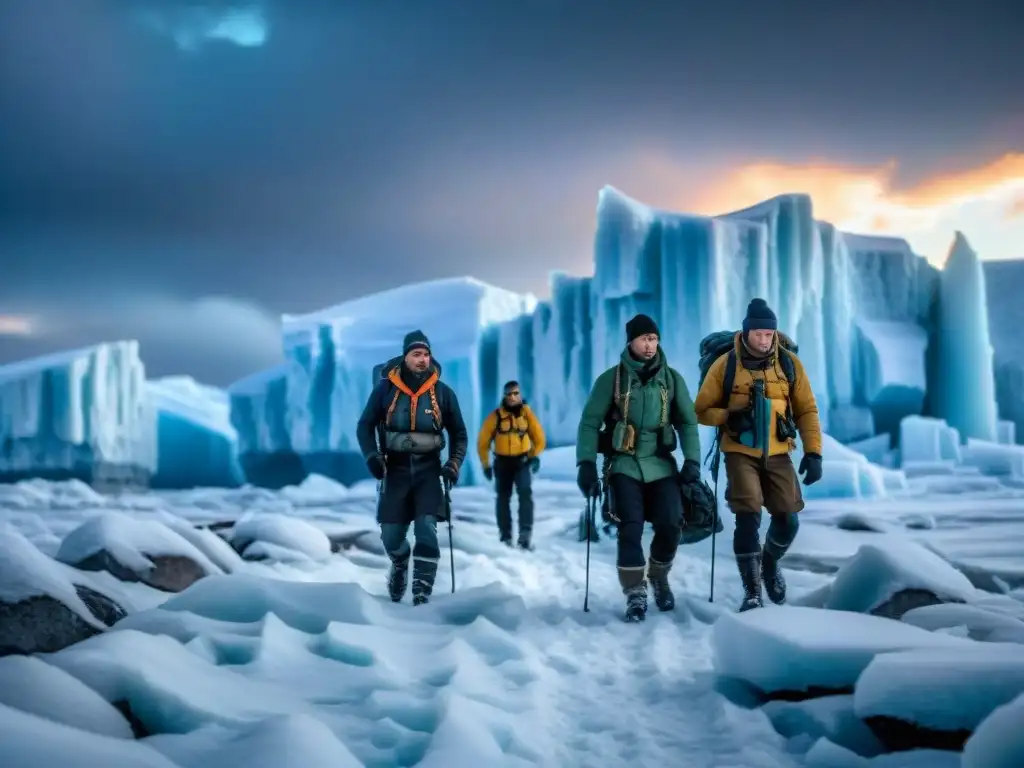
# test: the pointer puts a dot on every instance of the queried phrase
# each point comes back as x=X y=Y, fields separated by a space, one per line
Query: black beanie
x=639 y=326
x=414 y=340
x=759 y=317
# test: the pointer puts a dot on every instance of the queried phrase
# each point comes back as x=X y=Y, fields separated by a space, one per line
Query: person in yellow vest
x=518 y=440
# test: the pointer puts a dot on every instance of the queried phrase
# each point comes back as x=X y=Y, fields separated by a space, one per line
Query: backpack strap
x=788 y=368
x=729 y=379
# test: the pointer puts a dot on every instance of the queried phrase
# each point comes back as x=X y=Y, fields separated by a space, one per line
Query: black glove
x=690 y=473
x=535 y=465
x=587 y=480
x=450 y=472
x=739 y=422
x=811 y=465
x=375 y=463
x=489 y=473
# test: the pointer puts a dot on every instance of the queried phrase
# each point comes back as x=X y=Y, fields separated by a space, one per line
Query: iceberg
x=889 y=367
x=964 y=384
x=196 y=444
x=80 y=414
x=301 y=418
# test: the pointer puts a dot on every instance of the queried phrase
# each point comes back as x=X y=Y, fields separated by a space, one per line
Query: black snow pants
x=513 y=473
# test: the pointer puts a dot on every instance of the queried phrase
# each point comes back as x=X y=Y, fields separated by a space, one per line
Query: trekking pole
x=591 y=510
x=451 y=546
x=714 y=521
x=714 y=536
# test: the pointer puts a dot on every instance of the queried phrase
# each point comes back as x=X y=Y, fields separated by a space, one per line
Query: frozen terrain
x=290 y=654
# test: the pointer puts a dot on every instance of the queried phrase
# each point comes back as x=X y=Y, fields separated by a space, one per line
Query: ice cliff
x=80 y=414
x=327 y=378
x=196 y=444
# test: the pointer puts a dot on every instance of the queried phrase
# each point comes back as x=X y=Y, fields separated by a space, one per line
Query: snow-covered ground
x=300 y=660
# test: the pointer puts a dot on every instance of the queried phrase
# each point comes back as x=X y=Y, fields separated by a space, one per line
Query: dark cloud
x=155 y=148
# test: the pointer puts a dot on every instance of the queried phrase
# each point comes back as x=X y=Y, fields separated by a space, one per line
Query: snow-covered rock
x=796 y=650
x=196 y=444
x=262 y=536
x=891 y=576
x=42 y=607
x=830 y=717
x=981 y=624
x=35 y=687
x=134 y=549
x=826 y=754
x=936 y=697
x=999 y=741
x=78 y=414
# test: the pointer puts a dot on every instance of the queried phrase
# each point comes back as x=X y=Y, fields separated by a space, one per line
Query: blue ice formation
x=80 y=414
x=1004 y=287
x=963 y=398
x=196 y=444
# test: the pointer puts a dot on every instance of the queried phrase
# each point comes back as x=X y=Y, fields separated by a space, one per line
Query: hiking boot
x=423 y=574
x=524 y=541
x=750 y=575
x=398 y=580
x=507 y=541
x=657 y=575
x=771 y=573
x=636 y=604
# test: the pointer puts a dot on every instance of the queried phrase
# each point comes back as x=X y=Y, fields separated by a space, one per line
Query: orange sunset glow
x=985 y=203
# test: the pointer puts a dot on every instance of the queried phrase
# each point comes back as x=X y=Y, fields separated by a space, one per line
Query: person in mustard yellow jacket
x=518 y=440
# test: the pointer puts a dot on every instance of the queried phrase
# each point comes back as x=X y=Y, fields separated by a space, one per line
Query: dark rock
x=170 y=573
x=42 y=624
x=139 y=729
x=100 y=606
x=906 y=600
x=852 y=521
x=899 y=735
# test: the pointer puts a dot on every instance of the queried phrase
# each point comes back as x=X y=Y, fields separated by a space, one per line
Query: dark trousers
x=635 y=503
x=411 y=495
x=776 y=487
x=513 y=473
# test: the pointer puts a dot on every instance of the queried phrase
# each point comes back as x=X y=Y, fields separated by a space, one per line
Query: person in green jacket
x=632 y=416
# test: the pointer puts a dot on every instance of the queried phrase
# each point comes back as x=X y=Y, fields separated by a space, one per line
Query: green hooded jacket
x=654 y=409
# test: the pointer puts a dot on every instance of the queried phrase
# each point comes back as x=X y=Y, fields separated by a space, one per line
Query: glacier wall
x=80 y=414
x=867 y=312
x=1004 y=286
x=196 y=444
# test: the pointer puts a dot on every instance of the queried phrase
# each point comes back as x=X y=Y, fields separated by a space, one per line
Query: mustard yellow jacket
x=511 y=435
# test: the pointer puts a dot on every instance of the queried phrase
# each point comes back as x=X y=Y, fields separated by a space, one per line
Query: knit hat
x=415 y=340
x=639 y=326
x=759 y=317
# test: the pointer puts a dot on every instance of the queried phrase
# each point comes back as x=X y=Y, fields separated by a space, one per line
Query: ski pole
x=451 y=546
x=591 y=507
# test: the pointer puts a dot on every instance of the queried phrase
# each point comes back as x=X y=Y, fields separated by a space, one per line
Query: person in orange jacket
x=518 y=440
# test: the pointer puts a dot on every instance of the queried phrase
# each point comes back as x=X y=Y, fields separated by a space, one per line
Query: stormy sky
x=182 y=173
